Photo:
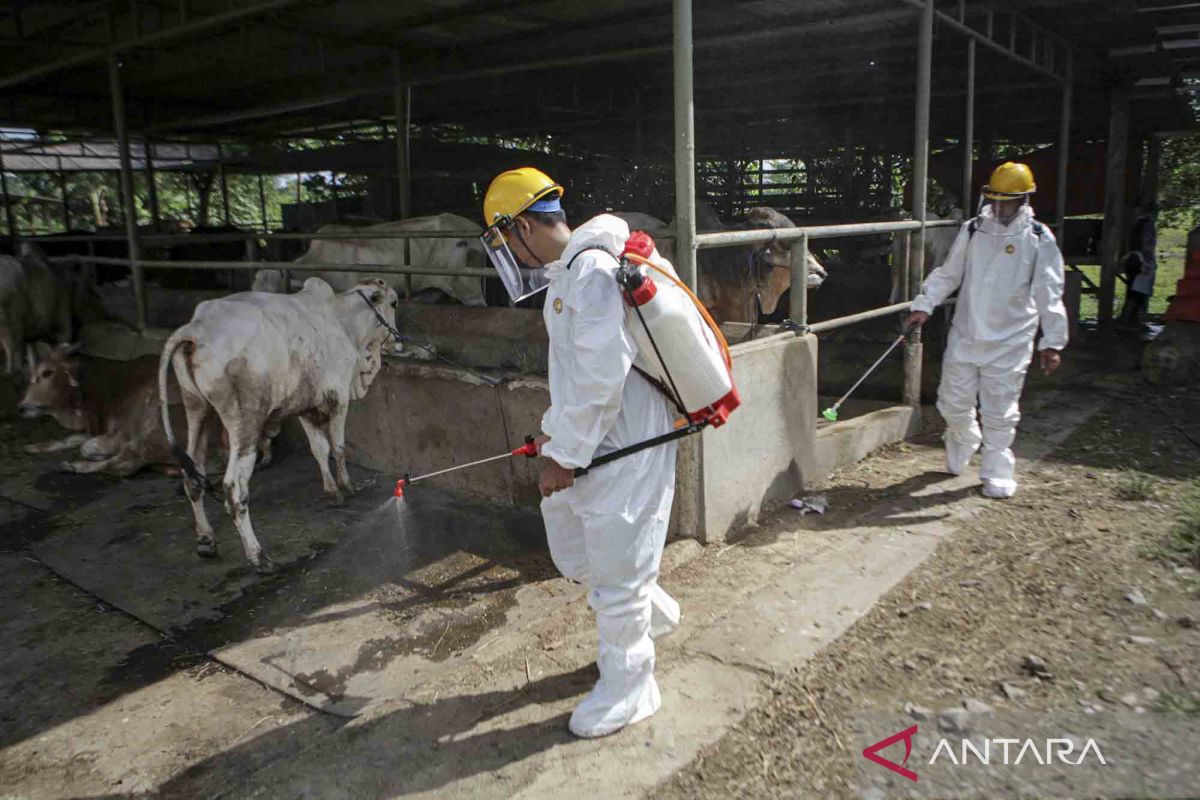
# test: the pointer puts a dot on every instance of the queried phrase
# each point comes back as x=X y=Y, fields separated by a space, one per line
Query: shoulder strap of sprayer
x=670 y=393
x=1039 y=230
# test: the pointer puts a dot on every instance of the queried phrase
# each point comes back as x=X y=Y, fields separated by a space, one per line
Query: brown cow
x=112 y=407
x=738 y=282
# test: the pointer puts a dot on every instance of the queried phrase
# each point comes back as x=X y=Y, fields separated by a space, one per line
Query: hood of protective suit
x=988 y=222
x=605 y=231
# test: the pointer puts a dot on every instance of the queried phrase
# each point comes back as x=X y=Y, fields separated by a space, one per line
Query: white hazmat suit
x=1010 y=280
x=608 y=530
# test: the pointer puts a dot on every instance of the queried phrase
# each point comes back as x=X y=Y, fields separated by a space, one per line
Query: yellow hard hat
x=513 y=192
x=1010 y=181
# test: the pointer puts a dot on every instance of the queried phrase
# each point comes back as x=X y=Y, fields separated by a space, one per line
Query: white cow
x=35 y=304
x=663 y=233
x=938 y=242
x=439 y=254
x=254 y=359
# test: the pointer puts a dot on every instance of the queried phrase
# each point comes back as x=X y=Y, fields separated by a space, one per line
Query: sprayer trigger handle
x=529 y=449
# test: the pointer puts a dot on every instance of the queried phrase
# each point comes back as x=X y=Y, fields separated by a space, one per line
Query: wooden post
x=262 y=204
x=1064 y=146
x=224 y=183
x=1114 y=201
x=62 y=187
x=151 y=185
x=402 y=103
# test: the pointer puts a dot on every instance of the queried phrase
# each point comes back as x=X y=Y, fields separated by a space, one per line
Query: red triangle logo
x=872 y=752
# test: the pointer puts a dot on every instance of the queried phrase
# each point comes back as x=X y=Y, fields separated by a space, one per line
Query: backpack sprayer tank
x=675 y=345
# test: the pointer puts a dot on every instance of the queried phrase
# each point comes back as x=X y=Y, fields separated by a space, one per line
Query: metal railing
x=798 y=312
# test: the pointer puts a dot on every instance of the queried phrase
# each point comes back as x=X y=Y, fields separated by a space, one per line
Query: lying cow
x=35 y=304
x=739 y=283
x=253 y=359
x=446 y=255
x=111 y=406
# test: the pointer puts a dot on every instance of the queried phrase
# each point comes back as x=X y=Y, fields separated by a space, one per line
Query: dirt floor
x=464 y=654
x=1084 y=571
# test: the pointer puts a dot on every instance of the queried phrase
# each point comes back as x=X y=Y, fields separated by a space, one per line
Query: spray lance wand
x=831 y=413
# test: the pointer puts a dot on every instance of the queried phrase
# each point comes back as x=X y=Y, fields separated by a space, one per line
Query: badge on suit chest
x=1010 y=248
x=558 y=305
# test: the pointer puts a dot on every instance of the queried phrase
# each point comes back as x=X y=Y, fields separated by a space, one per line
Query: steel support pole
x=969 y=133
x=1064 y=147
x=1114 y=201
x=402 y=103
x=913 y=352
x=798 y=310
x=685 y=145
x=127 y=200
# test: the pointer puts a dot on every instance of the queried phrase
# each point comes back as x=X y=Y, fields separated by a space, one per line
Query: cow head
x=770 y=264
x=54 y=381
x=372 y=337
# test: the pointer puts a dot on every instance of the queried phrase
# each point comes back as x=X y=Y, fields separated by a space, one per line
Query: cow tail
x=189 y=467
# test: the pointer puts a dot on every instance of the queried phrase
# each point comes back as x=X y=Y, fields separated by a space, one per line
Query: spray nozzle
x=400 y=484
x=529 y=449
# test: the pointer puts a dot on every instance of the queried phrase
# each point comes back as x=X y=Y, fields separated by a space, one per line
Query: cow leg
x=242 y=456
x=122 y=465
x=265 y=455
x=318 y=442
x=199 y=419
x=56 y=445
x=337 y=440
x=99 y=448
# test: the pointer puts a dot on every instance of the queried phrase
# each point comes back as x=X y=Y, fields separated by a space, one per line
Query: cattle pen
x=1021 y=53
x=168 y=153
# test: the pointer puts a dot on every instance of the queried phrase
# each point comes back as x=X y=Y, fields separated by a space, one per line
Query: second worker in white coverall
x=1008 y=272
x=608 y=530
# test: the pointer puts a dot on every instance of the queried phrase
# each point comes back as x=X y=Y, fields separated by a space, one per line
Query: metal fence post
x=402 y=103
x=127 y=199
x=1064 y=147
x=913 y=353
x=685 y=146
x=798 y=312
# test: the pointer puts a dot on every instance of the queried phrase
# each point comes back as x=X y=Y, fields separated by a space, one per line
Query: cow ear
x=377 y=296
x=72 y=349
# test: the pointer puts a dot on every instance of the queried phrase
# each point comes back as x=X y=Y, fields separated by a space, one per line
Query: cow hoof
x=206 y=549
x=265 y=565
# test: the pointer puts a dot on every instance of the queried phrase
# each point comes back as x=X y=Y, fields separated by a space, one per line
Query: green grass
x=1184 y=540
x=1133 y=485
x=1172 y=251
x=1171 y=702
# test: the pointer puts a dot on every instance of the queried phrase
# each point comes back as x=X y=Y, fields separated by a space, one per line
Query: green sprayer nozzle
x=830 y=414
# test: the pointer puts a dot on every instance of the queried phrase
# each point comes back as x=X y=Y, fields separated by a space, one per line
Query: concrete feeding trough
x=431 y=414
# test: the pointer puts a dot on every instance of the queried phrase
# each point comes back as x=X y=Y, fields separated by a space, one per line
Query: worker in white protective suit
x=1008 y=272
x=608 y=530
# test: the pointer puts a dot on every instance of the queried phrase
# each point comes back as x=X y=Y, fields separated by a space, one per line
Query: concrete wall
x=765 y=453
x=420 y=418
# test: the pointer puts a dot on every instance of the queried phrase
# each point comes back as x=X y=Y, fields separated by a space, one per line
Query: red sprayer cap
x=400 y=484
x=639 y=243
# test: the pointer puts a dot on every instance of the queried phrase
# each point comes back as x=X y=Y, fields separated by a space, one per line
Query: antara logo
x=989 y=751
x=872 y=752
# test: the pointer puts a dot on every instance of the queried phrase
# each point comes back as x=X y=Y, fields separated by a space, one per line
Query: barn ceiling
x=772 y=76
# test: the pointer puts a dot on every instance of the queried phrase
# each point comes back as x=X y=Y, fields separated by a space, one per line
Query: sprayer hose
x=716 y=329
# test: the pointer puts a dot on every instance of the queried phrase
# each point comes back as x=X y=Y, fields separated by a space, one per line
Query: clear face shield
x=995 y=199
x=520 y=282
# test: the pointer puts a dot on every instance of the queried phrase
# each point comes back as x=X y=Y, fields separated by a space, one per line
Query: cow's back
x=284 y=349
x=446 y=254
